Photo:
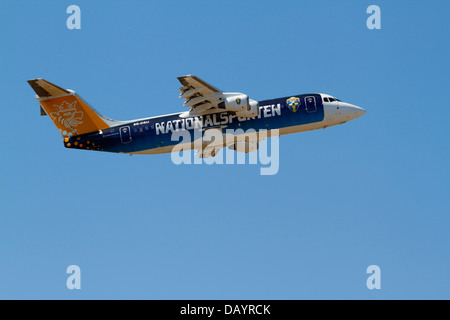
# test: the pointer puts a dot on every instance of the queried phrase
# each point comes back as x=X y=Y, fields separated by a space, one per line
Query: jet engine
x=241 y=104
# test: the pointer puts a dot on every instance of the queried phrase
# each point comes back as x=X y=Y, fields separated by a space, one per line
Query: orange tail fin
x=69 y=112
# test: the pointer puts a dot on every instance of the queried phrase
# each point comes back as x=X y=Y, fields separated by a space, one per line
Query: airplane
x=209 y=108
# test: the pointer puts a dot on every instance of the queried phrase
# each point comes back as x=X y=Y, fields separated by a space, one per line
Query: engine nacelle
x=251 y=111
x=244 y=146
x=241 y=104
x=236 y=102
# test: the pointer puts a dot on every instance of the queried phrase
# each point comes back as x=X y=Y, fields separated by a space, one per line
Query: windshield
x=330 y=99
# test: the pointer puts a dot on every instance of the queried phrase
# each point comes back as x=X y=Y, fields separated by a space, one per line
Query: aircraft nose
x=357 y=111
x=349 y=111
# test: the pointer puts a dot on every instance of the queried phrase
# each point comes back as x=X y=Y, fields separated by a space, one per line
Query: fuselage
x=153 y=135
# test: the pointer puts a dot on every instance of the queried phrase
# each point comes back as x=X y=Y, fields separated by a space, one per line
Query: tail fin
x=69 y=112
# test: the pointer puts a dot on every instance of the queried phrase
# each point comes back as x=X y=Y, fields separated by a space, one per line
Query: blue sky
x=372 y=191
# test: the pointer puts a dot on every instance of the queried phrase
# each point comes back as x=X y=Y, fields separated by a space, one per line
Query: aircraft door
x=125 y=134
x=310 y=103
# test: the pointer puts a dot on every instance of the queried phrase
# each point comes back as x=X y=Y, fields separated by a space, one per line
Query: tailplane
x=68 y=111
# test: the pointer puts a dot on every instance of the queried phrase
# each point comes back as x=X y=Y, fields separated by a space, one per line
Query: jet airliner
x=208 y=108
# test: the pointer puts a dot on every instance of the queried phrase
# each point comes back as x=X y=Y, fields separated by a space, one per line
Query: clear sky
x=374 y=191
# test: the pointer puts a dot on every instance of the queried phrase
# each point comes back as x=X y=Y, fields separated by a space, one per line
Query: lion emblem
x=68 y=115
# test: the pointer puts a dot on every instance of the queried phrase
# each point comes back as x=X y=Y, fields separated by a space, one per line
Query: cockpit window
x=330 y=99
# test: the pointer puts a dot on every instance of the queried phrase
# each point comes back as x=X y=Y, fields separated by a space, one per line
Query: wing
x=198 y=95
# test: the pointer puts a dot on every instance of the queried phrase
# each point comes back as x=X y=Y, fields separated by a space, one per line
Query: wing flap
x=198 y=95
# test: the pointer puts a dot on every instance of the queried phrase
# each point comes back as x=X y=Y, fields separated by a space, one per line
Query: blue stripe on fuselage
x=156 y=132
